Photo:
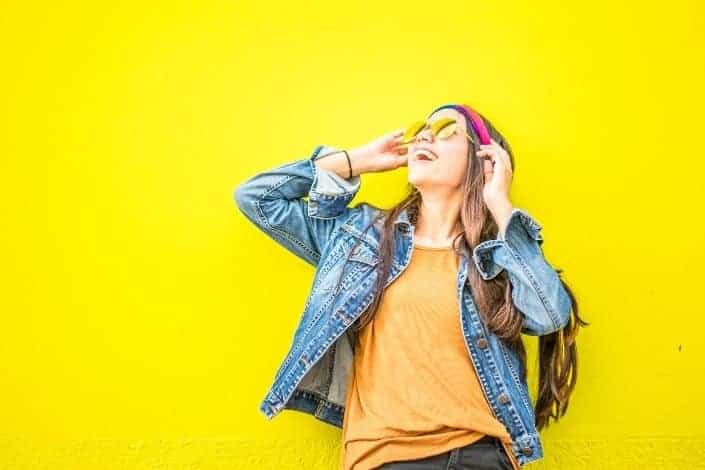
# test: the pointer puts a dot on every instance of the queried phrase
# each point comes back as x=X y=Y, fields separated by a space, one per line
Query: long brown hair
x=558 y=354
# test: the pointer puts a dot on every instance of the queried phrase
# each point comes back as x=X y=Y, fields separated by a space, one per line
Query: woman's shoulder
x=364 y=213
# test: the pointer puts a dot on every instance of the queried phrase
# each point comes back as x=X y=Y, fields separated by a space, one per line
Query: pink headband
x=472 y=119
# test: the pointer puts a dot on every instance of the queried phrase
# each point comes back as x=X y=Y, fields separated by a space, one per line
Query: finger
x=490 y=162
x=503 y=155
x=391 y=136
x=506 y=162
x=496 y=162
x=398 y=136
x=493 y=154
x=487 y=168
x=501 y=151
x=493 y=144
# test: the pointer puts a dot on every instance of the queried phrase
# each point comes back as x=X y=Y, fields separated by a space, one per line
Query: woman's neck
x=438 y=220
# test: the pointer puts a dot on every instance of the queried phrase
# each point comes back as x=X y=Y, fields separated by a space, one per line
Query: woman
x=411 y=332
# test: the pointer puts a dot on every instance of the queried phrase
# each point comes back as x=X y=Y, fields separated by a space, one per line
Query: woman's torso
x=413 y=391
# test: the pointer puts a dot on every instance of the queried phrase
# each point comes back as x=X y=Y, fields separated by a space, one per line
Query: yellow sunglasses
x=442 y=128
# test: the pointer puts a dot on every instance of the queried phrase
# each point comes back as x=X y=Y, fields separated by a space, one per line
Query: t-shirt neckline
x=435 y=248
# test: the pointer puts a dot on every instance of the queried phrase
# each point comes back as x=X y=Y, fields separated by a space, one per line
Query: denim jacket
x=305 y=209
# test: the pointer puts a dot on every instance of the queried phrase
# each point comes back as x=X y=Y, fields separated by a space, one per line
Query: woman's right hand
x=382 y=154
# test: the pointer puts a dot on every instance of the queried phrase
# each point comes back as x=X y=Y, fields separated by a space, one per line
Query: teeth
x=426 y=154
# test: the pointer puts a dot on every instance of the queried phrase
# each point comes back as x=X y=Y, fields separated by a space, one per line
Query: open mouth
x=426 y=156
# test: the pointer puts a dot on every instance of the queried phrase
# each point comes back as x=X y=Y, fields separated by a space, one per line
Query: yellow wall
x=139 y=329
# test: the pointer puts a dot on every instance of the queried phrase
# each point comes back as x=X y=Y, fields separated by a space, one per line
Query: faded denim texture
x=322 y=230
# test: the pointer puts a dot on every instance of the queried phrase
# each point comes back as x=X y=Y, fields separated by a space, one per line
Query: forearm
x=337 y=162
x=273 y=200
x=501 y=210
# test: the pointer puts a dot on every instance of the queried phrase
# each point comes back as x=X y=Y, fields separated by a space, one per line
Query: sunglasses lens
x=412 y=130
x=444 y=128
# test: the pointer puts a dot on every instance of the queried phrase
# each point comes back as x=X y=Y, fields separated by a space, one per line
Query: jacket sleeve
x=274 y=201
x=537 y=290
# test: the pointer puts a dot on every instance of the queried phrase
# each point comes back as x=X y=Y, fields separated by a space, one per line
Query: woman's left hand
x=497 y=168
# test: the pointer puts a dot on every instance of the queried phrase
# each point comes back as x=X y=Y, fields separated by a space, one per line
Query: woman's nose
x=425 y=134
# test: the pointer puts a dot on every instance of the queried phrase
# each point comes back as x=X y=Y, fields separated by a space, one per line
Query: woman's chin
x=418 y=175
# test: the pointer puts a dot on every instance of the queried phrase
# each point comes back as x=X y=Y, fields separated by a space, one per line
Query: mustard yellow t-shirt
x=413 y=391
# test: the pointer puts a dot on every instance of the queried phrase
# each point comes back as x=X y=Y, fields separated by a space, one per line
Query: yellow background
x=143 y=317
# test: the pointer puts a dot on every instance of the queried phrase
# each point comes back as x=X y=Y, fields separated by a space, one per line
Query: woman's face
x=451 y=155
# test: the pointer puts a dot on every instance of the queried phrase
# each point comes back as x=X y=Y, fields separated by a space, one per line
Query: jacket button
x=503 y=398
x=482 y=342
x=527 y=450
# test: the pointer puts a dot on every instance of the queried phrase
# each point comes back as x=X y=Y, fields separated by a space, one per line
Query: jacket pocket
x=349 y=261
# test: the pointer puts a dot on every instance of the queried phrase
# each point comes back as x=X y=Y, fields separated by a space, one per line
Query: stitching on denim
x=518 y=382
x=531 y=224
x=483 y=252
x=535 y=285
x=337 y=333
x=309 y=212
x=358 y=234
x=329 y=261
x=332 y=416
x=513 y=413
x=274 y=229
x=314 y=195
x=310 y=363
x=307 y=328
x=321 y=399
x=329 y=197
x=333 y=351
x=350 y=276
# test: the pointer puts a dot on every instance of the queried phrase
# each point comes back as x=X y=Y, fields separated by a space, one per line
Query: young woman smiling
x=430 y=297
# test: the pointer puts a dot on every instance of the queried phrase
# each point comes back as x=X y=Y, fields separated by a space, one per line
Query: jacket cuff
x=330 y=193
x=521 y=232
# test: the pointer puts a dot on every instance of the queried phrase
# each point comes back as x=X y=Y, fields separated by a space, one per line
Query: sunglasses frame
x=426 y=125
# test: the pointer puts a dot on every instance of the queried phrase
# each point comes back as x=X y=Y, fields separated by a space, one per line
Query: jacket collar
x=404 y=223
x=403 y=217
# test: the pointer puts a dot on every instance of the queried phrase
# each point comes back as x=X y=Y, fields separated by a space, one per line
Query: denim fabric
x=308 y=212
x=485 y=454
